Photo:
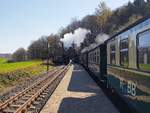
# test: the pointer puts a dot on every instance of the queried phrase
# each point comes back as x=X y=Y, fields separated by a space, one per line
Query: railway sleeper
x=25 y=98
x=42 y=96
x=8 y=110
x=44 y=93
x=29 y=111
x=20 y=102
x=28 y=95
x=39 y=99
x=36 y=103
x=32 y=107
x=31 y=93
x=15 y=106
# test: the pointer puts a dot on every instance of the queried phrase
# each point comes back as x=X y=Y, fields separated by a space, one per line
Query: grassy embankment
x=14 y=73
x=145 y=67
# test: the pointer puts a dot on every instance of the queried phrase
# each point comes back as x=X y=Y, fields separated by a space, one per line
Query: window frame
x=121 y=52
x=98 y=55
x=95 y=56
x=112 y=52
x=137 y=50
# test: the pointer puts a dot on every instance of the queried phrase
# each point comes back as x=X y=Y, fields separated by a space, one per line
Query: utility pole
x=47 y=56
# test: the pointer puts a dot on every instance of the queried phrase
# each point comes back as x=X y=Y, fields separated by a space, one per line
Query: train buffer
x=78 y=93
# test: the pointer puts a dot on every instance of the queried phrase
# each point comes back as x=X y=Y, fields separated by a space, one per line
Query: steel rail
x=31 y=99
x=33 y=92
x=10 y=100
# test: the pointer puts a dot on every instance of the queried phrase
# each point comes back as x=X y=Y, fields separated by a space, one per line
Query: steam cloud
x=101 y=38
x=98 y=40
x=77 y=37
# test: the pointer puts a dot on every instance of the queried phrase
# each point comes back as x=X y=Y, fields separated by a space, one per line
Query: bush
x=10 y=61
x=19 y=55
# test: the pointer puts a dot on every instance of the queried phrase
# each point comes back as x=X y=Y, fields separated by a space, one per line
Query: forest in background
x=103 y=20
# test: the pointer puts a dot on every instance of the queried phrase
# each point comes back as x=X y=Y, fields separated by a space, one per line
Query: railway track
x=33 y=98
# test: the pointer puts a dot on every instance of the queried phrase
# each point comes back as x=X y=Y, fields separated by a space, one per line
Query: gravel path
x=78 y=93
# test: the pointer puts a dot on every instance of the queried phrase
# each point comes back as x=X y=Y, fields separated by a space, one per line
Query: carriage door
x=103 y=61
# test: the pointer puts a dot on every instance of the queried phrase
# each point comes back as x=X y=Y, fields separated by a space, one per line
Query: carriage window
x=89 y=57
x=98 y=54
x=124 y=52
x=95 y=56
x=112 y=54
x=92 y=57
x=144 y=51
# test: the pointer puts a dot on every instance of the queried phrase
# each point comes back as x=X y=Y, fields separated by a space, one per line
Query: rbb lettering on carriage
x=131 y=88
x=128 y=87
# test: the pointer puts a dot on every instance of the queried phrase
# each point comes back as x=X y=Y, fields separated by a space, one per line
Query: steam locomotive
x=122 y=63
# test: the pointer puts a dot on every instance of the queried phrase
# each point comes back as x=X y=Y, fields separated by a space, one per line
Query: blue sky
x=22 y=21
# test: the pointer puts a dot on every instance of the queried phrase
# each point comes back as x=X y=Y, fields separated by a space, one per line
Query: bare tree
x=38 y=49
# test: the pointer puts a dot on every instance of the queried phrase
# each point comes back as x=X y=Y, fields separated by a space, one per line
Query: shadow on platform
x=80 y=83
x=78 y=105
x=89 y=104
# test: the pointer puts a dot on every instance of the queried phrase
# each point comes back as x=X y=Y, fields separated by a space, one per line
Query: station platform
x=78 y=93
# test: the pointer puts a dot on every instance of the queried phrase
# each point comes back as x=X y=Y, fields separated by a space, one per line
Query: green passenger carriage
x=123 y=63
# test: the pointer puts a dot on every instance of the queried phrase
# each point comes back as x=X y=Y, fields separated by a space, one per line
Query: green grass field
x=14 y=73
x=3 y=60
x=7 y=67
x=145 y=67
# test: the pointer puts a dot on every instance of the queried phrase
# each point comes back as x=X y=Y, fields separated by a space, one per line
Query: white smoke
x=98 y=40
x=101 y=38
x=91 y=46
x=77 y=37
